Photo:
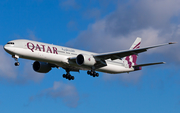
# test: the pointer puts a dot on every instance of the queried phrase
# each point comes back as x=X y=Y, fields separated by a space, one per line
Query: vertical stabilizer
x=130 y=61
x=136 y=44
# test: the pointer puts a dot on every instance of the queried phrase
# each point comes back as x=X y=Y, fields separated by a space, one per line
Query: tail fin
x=136 y=44
x=130 y=61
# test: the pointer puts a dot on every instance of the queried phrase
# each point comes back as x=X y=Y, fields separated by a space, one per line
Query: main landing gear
x=16 y=59
x=93 y=73
x=68 y=76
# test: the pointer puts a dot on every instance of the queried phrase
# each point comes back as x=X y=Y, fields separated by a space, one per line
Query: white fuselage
x=59 y=55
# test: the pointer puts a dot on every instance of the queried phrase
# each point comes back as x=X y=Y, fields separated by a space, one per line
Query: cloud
x=68 y=4
x=28 y=74
x=98 y=40
x=141 y=14
x=151 y=20
x=72 y=25
x=32 y=35
x=15 y=75
x=7 y=71
x=119 y=29
x=92 y=13
x=66 y=92
x=22 y=74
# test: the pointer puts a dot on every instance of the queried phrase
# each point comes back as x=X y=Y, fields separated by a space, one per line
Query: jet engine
x=87 y=60
x=41 y=67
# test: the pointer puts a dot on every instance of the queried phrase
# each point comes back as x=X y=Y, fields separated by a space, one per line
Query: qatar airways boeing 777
x=47 y=56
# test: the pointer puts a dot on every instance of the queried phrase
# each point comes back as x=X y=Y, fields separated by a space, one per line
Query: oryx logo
x=131 y=60
x=89 y=59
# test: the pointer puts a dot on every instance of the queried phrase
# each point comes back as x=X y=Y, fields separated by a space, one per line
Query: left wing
x=121 y=54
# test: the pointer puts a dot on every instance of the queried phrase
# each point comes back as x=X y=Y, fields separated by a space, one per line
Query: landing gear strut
x=16 y=59
x=93 y=73
x=68 y=75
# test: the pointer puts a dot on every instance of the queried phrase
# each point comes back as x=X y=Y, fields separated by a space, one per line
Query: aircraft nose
x=5 y=47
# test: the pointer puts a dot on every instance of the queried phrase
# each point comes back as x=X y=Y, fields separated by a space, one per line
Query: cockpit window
x=10 y=43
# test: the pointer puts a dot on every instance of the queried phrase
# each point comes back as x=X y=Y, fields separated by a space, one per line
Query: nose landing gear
x=16 y=59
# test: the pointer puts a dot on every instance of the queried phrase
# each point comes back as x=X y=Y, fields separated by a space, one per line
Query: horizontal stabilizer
x=141 y=65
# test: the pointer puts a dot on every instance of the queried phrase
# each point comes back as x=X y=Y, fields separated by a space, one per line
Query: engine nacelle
x=41 y=67
x=87 y=60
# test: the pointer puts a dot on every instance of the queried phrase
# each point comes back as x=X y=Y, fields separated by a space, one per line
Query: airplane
x=48 y=56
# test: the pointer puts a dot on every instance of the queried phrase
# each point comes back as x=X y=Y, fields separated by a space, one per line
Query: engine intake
x=41 y=67
x=87 y=60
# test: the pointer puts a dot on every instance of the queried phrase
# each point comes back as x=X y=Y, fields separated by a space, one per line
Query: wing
x=121 y=54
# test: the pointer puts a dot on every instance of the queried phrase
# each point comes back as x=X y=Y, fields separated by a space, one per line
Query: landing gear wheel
x=72 y=77
x=97 y=74
x=64 y=75
x=93 y=73
x=68 y=76
x=88 y=72
x=17 y=64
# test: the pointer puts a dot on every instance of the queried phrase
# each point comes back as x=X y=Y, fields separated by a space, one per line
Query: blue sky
x=98 y=26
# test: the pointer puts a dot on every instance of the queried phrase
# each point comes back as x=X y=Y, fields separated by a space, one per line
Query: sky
x=97 y=26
